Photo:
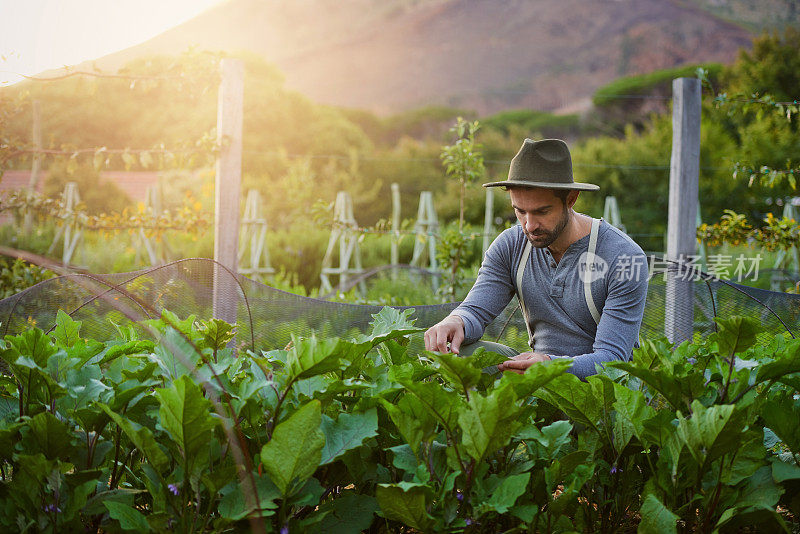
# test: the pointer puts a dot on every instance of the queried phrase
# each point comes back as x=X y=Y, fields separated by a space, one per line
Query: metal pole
x=683 y=201
x=228 y=187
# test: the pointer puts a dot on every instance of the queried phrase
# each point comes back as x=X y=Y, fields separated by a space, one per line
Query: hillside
x=485 y=55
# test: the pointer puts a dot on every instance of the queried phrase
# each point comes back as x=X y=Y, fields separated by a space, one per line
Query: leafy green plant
x=168 y=428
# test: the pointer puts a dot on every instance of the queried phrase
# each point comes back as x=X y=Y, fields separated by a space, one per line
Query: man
x=581 y=282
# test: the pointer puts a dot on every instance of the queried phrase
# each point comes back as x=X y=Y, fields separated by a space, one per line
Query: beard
x=545 y=238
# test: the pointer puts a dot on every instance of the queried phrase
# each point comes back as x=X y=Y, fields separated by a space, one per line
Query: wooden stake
x=228 y=186
x=683 y=201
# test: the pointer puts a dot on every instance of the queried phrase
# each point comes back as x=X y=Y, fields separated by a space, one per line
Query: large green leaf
x=781 y=414
x=507 y=492
x=413 y=419
x=656 y=518
x=295 y=450
x=489 y=422
x=737 y=333
x=234 y=504
x=405 y=506
x=631 y=412
x=755 y=505
x=141 y=437
x=786 y=362
x=32 y=344
x=575 y=398
x=67 y=331
x=456 y=370
x=710 y=432
x=137 y=346
x=185 y=415
x=441 y=403
x=679 y=390
x=176 y=355
x=551 y=437
x=391 y=323
x=347 y=432
x=129 y=518
x=48 y=435
x=537 y=376
x=311 y=356
x=349 y=513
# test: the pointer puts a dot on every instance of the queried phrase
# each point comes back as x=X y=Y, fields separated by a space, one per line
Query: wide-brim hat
x=545 y=164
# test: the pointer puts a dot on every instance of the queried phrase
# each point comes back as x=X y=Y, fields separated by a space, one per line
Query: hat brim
x=544 y=185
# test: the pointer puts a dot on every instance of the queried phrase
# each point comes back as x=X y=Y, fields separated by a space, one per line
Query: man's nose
x=530 y=224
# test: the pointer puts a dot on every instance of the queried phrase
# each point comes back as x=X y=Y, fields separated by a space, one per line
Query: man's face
x=541 y=213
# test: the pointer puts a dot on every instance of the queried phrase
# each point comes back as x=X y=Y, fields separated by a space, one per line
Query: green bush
x=642 y=84
x=18 y=275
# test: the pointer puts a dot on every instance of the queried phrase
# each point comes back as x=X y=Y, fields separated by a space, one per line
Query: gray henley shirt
x=558 y=315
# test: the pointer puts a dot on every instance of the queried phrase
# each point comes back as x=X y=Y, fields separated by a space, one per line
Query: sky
x=36 y=35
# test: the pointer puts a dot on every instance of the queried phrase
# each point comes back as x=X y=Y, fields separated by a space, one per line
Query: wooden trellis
x=426 y=229
x=158 y=251
x=253 y=238
x=69 y=231
x=345 y=233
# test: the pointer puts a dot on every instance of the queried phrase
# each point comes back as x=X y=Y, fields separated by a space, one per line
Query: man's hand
x=519 y=363
x=449 y=330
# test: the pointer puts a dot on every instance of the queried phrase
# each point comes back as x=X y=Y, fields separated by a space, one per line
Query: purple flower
x=614 y=470
x=50 y=508
x=468 y=521
x=173 y=489
x=459 y=496
x=285 y=529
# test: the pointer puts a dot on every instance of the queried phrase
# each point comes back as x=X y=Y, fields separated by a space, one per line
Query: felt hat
x=544 y=163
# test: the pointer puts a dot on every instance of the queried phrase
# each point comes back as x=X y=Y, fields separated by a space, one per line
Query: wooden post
x=488 y=219
x=395 y=229
x=228 y=185
x=683 y=200
x=36 y=165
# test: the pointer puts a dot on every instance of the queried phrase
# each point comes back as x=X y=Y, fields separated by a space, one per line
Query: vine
x=187 y=218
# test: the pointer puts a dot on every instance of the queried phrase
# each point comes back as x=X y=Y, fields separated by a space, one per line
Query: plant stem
x=728 y=381
x=278 y=407
x=113 y=481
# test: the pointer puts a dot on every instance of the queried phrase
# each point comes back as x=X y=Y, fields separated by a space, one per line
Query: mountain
x=486 y=55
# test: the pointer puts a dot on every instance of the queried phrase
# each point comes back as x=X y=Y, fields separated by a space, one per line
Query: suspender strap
x=523 y=262
x=587 y=278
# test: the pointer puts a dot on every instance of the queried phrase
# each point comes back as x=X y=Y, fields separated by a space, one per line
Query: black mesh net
x=268 y=317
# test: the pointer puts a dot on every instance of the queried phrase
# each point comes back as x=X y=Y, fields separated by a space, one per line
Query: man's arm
x=493 y=289
x=488 y=297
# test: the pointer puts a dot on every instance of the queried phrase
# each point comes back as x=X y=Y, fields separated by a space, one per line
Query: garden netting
x=267 y=317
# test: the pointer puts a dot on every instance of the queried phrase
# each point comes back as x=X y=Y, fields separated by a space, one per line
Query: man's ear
x=572 y=197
